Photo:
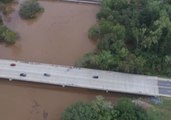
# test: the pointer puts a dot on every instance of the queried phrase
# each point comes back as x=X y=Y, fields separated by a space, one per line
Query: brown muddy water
x=58 y=36
x=28 y=101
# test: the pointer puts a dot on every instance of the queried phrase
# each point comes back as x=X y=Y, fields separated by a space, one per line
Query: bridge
x=84 y=78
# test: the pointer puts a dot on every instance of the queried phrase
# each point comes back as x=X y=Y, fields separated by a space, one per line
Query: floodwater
x=57 y=36
x=28 y=101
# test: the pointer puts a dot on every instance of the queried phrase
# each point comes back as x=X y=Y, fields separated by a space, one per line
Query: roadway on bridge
x=81 y=78
x=164 y=87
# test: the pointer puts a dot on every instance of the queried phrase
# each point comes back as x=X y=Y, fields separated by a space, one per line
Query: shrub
x=29 y=9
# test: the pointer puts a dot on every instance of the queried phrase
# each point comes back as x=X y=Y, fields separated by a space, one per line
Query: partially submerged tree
x=7 y=35
x=30 y=9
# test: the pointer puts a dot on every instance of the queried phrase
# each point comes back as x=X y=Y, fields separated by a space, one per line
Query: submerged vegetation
x=30 y=9
x=5 y=6
x=133 y=36
x=6 y=35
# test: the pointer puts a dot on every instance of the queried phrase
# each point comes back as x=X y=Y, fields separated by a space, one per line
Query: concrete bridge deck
x=83 y=78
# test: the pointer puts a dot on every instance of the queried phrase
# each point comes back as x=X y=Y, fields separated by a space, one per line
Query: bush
x=29 y=9
x=6 y=35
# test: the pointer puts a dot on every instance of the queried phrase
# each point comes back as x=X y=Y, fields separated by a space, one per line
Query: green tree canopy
x=133 y=36
x=7 y=35
x=101 y=109
x=29 y=9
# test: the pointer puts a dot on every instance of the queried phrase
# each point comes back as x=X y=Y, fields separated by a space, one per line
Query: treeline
x=101 y=109
x=133 y=36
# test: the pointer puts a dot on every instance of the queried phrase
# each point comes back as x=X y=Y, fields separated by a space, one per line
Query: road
x=85 y=78
x=79 y=77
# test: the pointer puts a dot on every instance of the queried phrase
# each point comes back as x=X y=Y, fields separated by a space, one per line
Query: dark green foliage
x=94 y=33
x=1 y=21
x=133 y=36
x=79 y=111
x=129 y=111
x=104 y=110
x=6 y=35
x=29 y=9
x=103 y=60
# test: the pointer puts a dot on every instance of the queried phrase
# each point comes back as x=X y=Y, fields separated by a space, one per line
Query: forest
x=133 y=36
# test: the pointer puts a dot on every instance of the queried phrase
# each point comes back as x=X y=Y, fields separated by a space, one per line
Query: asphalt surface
x=164 y=87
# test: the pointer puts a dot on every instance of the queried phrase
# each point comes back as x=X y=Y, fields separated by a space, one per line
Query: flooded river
x=58 y=36
x=28 y=101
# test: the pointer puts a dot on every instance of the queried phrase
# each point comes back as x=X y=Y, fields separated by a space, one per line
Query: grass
x=162 y=111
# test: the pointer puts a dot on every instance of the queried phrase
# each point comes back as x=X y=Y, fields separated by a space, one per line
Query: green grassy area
x=162 y=111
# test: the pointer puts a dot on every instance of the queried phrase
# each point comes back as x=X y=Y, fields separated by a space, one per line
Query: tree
x=129 y=111
x=79 y=111
x=29 y=9
x=7 y=35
